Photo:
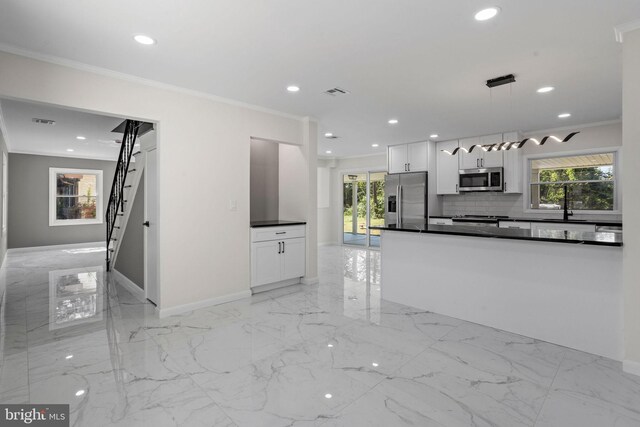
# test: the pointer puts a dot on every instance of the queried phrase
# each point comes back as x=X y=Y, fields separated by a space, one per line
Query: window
x=75 y=196
x=589 y=181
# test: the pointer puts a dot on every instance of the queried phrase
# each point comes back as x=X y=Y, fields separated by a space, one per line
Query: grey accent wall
x=264 y=183
x=130 y=260
x=28 y=223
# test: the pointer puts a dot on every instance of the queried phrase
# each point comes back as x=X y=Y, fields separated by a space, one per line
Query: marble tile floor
x=332 y=354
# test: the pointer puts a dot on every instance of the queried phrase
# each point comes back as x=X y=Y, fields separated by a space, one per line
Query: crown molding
x=139 y=80
x=621 y=29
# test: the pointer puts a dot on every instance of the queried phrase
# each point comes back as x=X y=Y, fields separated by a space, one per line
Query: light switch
x=233 y=205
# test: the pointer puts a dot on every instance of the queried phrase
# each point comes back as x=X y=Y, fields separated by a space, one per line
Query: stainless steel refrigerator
x=406 y=197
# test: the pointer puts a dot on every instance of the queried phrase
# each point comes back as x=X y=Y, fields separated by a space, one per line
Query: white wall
x=203 y=141
x=631 y=192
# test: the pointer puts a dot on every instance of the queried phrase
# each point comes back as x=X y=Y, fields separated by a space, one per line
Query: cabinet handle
x=477 y=163
x=408 y=167
x=457 y=188
x=282 y=247
x=279 y=248
x=505 y=186
x=282 y=232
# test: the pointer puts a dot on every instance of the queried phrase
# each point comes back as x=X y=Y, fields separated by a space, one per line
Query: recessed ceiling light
x=435 y=135
x=486 y=14
x=328 y=135
x=375 y=145
x=328 y=396
x=69 y=356
x=81 y=138
x=145 y=40
x=328 y=151
x=546 y=89
x=79 y=393
x=564 y=115
x=293 y=88
x=71 y=150
x=374 y=364
x=393 y=121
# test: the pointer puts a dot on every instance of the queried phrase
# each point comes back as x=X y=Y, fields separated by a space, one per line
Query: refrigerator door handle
x=398 y=204
x=399 y=209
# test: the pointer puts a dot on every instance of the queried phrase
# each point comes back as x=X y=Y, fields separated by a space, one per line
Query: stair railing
x=115 y=206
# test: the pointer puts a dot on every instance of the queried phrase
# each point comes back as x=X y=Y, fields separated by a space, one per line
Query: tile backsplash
x=501 y=204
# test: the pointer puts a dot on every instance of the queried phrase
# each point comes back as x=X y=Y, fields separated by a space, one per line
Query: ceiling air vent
x=43 y=121
x=336 y=91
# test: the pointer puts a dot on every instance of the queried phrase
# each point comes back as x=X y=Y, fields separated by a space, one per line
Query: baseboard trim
x=631 y=367
x=310 y=280
x=179 y=309
x=277 y=285
x=129 y=285
x=60 y=247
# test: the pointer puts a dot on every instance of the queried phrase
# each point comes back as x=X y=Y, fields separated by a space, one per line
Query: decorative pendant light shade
x=509 y=145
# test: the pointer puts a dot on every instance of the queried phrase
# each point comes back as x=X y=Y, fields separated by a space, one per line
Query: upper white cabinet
x=412 y=157
x=512 y=165
x=447 y=168
x=397 y=158
x=470 y=160
x=493 y=158
x=479 y=158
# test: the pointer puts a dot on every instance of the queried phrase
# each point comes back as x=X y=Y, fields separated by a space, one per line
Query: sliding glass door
x=363 y=204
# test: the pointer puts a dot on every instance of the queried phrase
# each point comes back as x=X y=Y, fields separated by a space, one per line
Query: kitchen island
x=564 y=287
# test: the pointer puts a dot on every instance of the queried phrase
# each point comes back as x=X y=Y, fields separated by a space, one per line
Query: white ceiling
x=422 y=62
x=25 y=136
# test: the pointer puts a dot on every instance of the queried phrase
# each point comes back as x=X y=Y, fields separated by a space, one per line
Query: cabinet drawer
x=440 y=221
x=263 y=234
x=515 y=224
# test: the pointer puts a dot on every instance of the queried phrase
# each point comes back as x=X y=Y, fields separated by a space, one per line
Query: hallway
x=327 y=354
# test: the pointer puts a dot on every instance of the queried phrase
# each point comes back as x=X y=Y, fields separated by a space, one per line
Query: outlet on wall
x=233 y=205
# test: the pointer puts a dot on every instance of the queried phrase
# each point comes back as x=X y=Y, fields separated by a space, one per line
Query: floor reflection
x=362 y=284
x=74 y=297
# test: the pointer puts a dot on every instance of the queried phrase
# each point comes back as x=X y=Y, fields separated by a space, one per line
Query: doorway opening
x=363 y=205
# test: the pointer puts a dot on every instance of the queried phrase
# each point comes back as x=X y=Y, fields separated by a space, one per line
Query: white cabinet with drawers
x=440 y=221
x=278 y=255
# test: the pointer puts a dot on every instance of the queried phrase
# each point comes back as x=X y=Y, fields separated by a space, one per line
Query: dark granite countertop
x=559 y=236
x=275 y=223
x=614 y=223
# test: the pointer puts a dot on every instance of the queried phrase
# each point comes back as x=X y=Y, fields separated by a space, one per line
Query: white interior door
x=151 y=287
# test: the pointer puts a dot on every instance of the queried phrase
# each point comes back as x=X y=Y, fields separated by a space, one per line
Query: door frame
x=368 y=172
x=145 y=150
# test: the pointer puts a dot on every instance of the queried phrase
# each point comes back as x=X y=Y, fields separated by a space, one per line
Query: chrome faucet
x=566 y=213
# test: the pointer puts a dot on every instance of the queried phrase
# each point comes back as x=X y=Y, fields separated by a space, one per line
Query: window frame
x=617 y=181
x=53 y=221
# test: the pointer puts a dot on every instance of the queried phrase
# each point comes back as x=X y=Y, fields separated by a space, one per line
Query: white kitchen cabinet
x=479 y=158
x=469 y=160
x=397 y=158
x=418 y=157
x=512 y=165
x=447 y=168
x=406 y=158
x=562 y=226
x=493 y=158
x=278 y=255
x=293 y=258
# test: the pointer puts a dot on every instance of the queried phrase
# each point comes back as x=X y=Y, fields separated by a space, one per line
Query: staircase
x=125 y=182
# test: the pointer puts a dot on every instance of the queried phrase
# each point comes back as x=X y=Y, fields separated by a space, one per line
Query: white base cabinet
x=278 y=255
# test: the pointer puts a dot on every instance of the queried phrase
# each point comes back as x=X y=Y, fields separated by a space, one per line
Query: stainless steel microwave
x=488 y=179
